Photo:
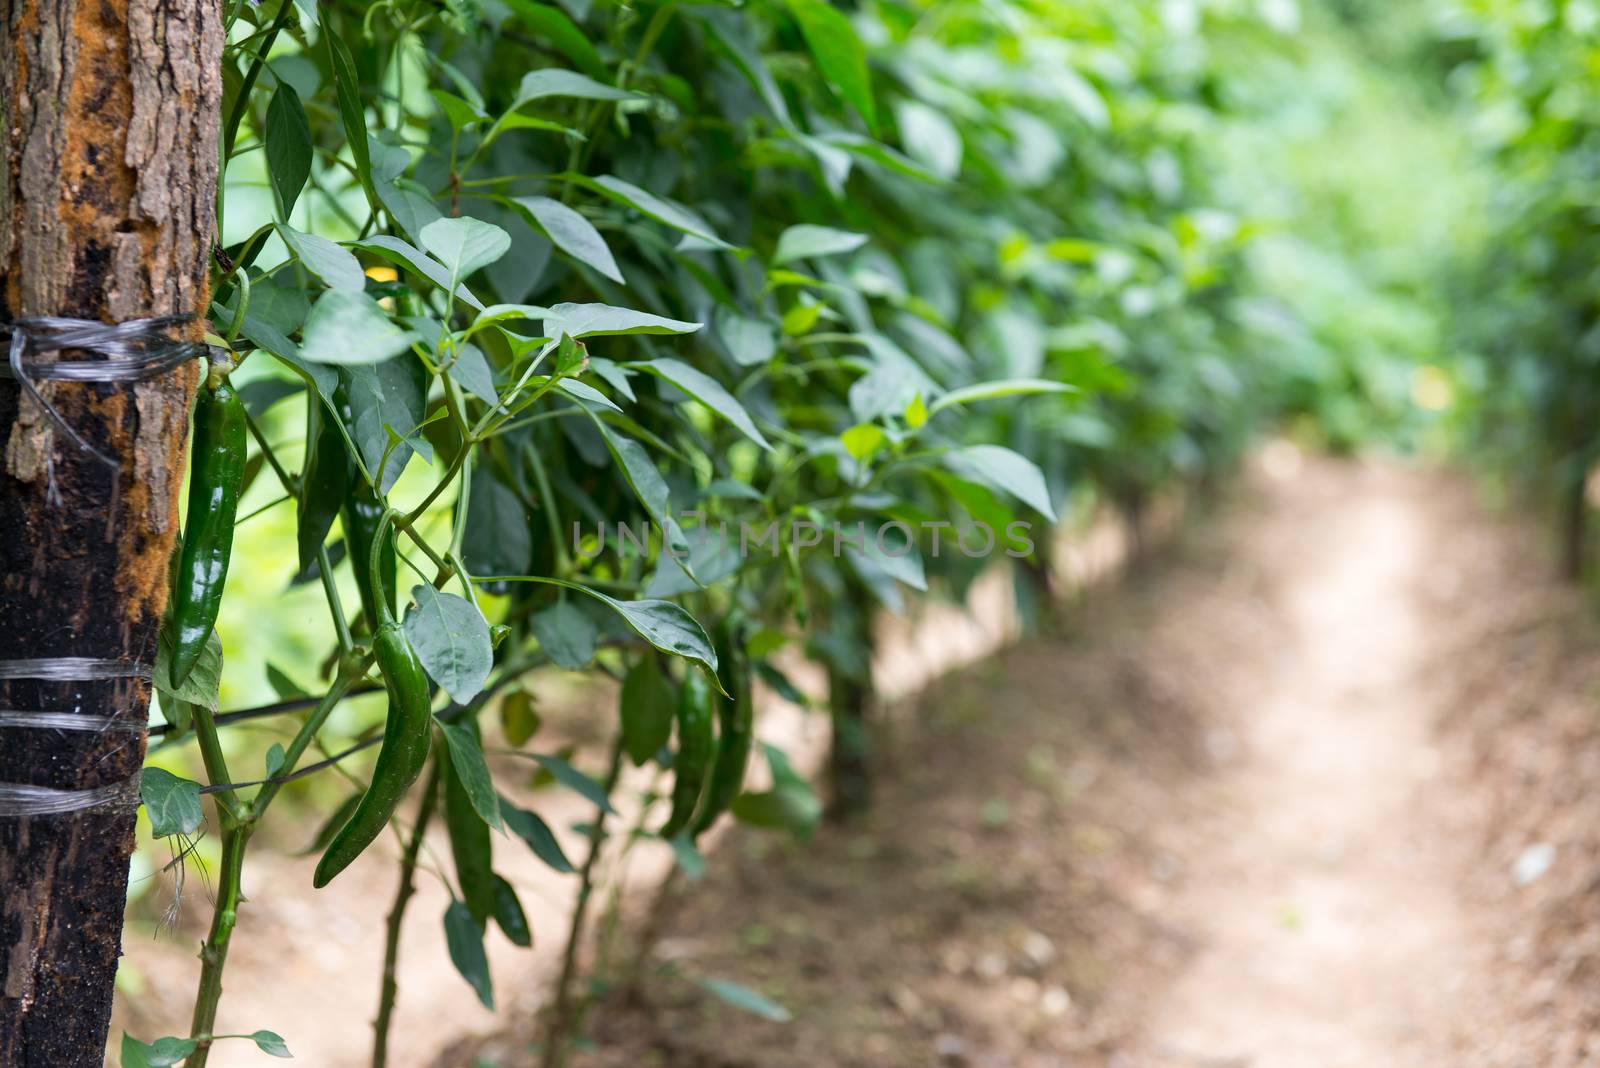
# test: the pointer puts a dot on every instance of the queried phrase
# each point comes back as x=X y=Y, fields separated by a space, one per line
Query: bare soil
x=1316 y=789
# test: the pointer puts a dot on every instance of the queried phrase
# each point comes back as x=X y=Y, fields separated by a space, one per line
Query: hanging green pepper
x=323 y=479
x=361 y=514
x=215 y=475
x=407 y=735
x=696 y=746
x=736 y=721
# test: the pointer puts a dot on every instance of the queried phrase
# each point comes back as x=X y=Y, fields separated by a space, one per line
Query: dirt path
x=1269 y=805
x=1330 y=927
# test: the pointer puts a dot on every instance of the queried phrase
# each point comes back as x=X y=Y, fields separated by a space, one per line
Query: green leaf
x=515 y=120
x=647 y=708
x=288 y=140
x=410 y=209
x=575 y=780
x=352 y=112
x=347 y=327
x=751 y=342
x=1006 y=387
x=665 y=625
x=1083 y=96
x=471 y=369
x=464 y=245
x=804 y=241
x=790 y=805
x=204 y=680
x=271 y=1043
x=385 y=396
x=863 y=440
x=562 y=33
x=399 y=252
x=687 y=857
x=1004 y=470
x=334 y=265
x=566 y=634
x=887 y=388
x=465 y=943
x=461 y=114
x=646 y=482
x=536 y=832
x=553 y=81
x=498 y=537
x=598 y=320
x=903 y=564
x=882 y=155
x=283 y=683
x=917 y=413
x=159 y=1054
x=713 y=556
x=471 y=844
x=501 y=314
x=570 y=232
x=648 y=204
x=509 y=915
x=838 y=52
x=708 y=391
x=274 y=759
x=467 y=760
x=172 y=803
x=519 y=720
x=260 y=395
x=742 y=997
x=451 y=639
x=929 y=137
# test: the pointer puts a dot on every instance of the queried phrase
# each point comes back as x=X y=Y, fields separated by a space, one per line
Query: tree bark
x=107 y=209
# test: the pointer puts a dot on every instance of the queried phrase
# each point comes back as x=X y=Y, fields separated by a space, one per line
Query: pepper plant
x=651 y=340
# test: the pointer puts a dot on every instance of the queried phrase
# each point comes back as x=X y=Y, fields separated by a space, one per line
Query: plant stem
x=346 y=678
x=214 y=953
x=391 y=946
x=287 y=481
x=561 y=1016
x=335 y=606
x=205 y=732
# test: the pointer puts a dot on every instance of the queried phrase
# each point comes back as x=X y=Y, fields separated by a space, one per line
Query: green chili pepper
x=736 y=721
x=470 y=845
x=696 y=746
x=406 y=737
x=215 y=475
x=360 y=515
x=323 y=479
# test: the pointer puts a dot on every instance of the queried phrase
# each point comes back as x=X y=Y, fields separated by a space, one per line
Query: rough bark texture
x=106 y=212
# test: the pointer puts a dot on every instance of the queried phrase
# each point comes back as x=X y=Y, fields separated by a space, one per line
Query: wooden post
x=107 y=210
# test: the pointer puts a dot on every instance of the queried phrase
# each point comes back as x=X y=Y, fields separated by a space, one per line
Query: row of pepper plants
x=1528 y=322
x=818 y=293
